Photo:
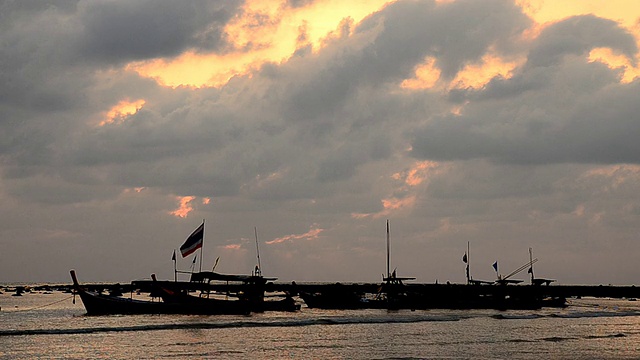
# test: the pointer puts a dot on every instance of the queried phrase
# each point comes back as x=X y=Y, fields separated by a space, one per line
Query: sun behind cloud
x=121 y=110
x=265 y=31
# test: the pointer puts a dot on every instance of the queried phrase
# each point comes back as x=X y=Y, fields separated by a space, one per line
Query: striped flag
x=193 y=242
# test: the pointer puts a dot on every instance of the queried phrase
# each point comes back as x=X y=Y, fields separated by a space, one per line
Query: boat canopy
x=208 y=276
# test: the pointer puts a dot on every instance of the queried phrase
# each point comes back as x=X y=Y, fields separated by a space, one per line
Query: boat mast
x=259 y=270
x=201 y=246
x=175 y=266
x=468 y=261
x=531 y=266
x=388 y=265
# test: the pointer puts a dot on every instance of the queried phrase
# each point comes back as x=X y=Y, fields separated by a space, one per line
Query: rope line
x=45 y=305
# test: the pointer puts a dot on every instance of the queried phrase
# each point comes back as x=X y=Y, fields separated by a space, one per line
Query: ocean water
x=50 y=326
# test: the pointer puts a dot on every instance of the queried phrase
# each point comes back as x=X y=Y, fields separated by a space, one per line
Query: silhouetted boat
x=99 y=304
x=251 y=293
x=247 y=289
x=391 y=294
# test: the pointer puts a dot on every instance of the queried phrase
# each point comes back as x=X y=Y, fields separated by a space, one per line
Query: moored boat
x=101 y=304
x=248 y=291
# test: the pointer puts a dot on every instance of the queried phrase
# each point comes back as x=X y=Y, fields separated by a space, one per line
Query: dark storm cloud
x=340 y=95
x=388 y=45
x=51 y=52
x=138 y=30
x=557 y=108
x=577 y=36
x=49 y=49
x=454 y=34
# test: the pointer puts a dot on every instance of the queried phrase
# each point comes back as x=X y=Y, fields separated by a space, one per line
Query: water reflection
x=590 y=328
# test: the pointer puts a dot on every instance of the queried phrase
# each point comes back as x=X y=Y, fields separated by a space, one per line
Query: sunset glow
x=281 y=29
x=272 y=39
x=478 y=75
x=313 y=234
x=119 y=112
x=510 y=123
x=184 y=207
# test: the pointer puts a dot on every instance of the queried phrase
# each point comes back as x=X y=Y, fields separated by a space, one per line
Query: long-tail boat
x=102 y=304
x=249 y=291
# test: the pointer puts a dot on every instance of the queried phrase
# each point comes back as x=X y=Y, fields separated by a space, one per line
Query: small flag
x=530 y=271
x=194 y=260
x=173 y=257
x=495 y=266
x=193 y=242
x=464 y=258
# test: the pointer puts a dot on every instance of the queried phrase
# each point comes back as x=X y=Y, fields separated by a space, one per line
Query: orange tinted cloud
x=405 y=194
x=184 y=208
x=616 y=174
x=427 y=75
x=624 y=12
x=265 y=31
x=120 y=111
x=616 y=61
x=419 y=172
x=312 y=234
x=398 y=203
x=543 y=11
x=477 y=75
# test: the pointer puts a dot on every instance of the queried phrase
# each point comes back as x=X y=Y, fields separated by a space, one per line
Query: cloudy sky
x=502 y=124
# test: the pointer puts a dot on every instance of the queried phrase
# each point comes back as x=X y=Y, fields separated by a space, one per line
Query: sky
x=503 y=125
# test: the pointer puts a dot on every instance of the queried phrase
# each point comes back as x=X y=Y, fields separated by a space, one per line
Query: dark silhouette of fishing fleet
x=214 y=293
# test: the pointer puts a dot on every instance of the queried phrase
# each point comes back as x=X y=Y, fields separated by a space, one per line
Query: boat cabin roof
x=542 y=281
x=207 y=276
x=508 y=281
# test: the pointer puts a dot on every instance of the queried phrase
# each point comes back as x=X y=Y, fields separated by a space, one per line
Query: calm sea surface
x=50 y=326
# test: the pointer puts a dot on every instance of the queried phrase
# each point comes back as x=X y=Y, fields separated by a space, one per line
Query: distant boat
x=99 y=304
x=19 y=291
x=391 y=294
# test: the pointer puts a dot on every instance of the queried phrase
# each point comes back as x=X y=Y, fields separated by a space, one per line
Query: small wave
x=520 y=341
x=557 y=339
x=517 y=316
x=589 y=314
x=610 y=336
x=224 y=325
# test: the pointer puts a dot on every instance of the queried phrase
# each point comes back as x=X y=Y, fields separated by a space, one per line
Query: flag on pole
x=464 y=258
x=193 y=264
x=173 y=257
x=495 y=266
x=193 y=242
